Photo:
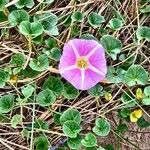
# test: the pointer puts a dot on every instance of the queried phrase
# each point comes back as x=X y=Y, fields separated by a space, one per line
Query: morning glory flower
x=83 y=63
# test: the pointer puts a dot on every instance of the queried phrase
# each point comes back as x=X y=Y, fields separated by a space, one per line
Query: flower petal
x=84 y=46
x=91 y=78
x=74 y=77
x=98 y=60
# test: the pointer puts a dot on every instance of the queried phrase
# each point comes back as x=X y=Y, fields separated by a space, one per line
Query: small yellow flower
x=135 y=115
x=108 y=96
x=139 y=94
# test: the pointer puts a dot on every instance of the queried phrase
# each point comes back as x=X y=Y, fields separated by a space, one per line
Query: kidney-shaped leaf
x=71 y=114
x=136 y=74
x=102 y=127
x=89 y=140
x=6 y=103
x=46 y=98
x=71 y=129
x=31 y=29
x=112 y=45
x=17 y=16
x=39 y=64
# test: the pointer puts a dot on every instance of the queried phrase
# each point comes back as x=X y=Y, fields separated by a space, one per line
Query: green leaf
x=31 y=29
x=40 y=64
x=109 y=147
x=25 y=3
x=101 y=148
x=4 y=77
x=6 y=103
x=88 y=36
x=112 y=45
x=51 y=43
x=136 y=74
x=72 y=115
x=69 y=91
x=146 y=98
x=16 y=119
x=124 y=113
x=17 y=62
x=40 y=124
x=74 y=143
x=3 y=3
x=115 y=24
x=102 y=127
x=115 y=75
x=28 y=90
x=29 y=73
x=95 y=19
x=54 y=84
x=55 y=53
x=142 y=123
x=77 y=16
x=121 y=128
x=128 y=100
x=145 y=9
x=45 y=98
x=96 y=91
x=25 y=134
x=143 y=32
x=49 y=21
x=3 y=16
x=56 y=118
x=41 y=143
x=17 y=16
x=89 y=140
x=71 y=129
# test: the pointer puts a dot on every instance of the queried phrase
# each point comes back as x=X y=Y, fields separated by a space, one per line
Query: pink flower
x=83 y=63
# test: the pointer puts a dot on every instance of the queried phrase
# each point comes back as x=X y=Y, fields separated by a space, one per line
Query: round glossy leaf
x=112 y=45
x=31 y=29
x=74 y=143
x=96 y=91
x=95 y=19
x=143 y=32
x=41 y=143
x=71 y=129
x=115 y=24
x=54 y=84
x=77 y=16
x=46 y=98
x=142 y=123
x=72 y=115
x=6 y=103
x=25 y=3
x=102 y=127
x=89 y=140
x=69 y=91
x=17 y=16
x=136 y=74
x=40 y=64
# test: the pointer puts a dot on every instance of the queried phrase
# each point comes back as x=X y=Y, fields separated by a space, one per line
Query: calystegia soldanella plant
x=74 y=74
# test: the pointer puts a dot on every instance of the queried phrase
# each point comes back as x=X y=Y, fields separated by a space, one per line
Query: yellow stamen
x=82 y=63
